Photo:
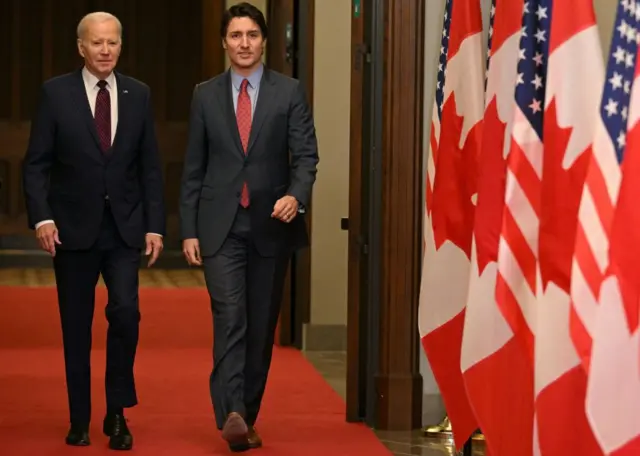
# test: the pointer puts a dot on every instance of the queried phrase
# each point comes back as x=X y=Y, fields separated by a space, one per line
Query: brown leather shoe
x=254 y=439
x=235 y=432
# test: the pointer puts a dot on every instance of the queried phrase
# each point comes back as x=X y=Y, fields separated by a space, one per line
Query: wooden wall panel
x=63 y=35
x=183 y=71
x=4 y=190
x=165 y=44
x=5 y=56
x=30 y=51
x=150 y=49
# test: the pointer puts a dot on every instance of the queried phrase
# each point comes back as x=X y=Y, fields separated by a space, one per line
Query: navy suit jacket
x=68 y=179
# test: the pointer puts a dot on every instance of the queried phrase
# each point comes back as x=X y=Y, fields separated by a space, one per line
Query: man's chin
x=246 y=63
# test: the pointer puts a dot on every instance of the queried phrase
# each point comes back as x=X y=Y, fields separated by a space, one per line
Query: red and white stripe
x=499 y=380
x=518 y=243
x=591 y=254
x=613 y=394
x=575 y=77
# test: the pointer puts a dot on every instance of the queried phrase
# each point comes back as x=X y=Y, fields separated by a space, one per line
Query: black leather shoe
x=78 y=436
x=115 y=427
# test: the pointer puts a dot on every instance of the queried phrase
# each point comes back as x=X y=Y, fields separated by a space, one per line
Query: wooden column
x=15 y=62
x=213 y=56
x=399 y=383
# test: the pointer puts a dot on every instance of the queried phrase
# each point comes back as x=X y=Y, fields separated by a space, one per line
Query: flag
x=591 y=255
x=571 y=90
x=516 y=283
x=610 y=338
x=451 y=188
x=498 y=378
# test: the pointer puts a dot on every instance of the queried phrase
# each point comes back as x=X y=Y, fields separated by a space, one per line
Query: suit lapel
x=124 y=110
x=79 y=95
x=265 y=94
x=225 y=97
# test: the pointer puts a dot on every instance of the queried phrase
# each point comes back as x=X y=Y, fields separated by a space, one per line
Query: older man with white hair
x=94 y=193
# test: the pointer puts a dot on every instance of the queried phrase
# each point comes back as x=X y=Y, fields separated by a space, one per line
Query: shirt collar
x=91 y=81
x=254 y=78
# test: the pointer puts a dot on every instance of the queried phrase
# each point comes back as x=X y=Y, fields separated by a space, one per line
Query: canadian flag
x=498 y=378
x=606 y=331
x=451 y=187
x=572 y=91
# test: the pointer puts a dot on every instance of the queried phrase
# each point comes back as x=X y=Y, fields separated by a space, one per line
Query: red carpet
x=301 y=414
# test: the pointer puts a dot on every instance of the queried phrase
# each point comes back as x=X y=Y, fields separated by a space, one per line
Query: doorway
x=365 y=199
x=290 y=51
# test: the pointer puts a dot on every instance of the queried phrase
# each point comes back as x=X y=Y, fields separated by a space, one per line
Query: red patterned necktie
x=103 y=116
x=243 y=118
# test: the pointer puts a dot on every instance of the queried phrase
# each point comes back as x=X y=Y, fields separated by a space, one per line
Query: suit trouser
x=246 y=292
x=77 y=273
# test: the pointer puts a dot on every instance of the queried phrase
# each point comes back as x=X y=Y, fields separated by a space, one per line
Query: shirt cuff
x=44 y=222
x=155 y=234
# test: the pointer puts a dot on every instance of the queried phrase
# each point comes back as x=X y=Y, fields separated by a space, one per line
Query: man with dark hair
x=249 y=169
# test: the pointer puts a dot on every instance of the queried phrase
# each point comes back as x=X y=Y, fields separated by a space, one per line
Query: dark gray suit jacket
x=281 y=160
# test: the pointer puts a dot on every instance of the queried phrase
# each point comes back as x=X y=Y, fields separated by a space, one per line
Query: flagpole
x=467 y=449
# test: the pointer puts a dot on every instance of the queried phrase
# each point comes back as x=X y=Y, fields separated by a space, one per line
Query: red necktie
x=243 y=118
x=103 y=116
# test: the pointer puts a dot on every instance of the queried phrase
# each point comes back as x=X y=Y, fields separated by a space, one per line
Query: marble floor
x=332 y=365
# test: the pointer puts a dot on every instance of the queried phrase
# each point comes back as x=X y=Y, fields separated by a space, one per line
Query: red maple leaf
x=560 y=196
x=492 y=177
x=456 y=181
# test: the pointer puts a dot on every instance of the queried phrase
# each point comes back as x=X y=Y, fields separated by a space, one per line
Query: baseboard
x=324 y=337
x=433 y=410
x=32 y=258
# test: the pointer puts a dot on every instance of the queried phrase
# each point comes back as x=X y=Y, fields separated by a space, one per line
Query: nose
x=104 y=49
x=245 y=42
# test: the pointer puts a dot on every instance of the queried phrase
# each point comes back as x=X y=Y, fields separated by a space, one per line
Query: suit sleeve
x=151 y=175
x=38 y=161
x=195 y=165
x=303 y=146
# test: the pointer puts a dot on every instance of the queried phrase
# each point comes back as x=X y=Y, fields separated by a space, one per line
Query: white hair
x=98 y=16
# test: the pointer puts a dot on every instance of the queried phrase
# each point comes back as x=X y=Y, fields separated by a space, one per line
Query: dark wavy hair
x=244 y=9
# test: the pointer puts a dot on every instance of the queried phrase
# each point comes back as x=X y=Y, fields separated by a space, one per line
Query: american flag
x=603 y=179
x=532 y=68
x=516 y=286
x=606 y=291
x=492 y=16
x=442 y=60
x=436 y=115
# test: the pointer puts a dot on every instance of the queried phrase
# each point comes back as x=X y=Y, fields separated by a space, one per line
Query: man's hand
x=154 y=247
x=285 y=209
x=47 y=235
x=191 y=251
